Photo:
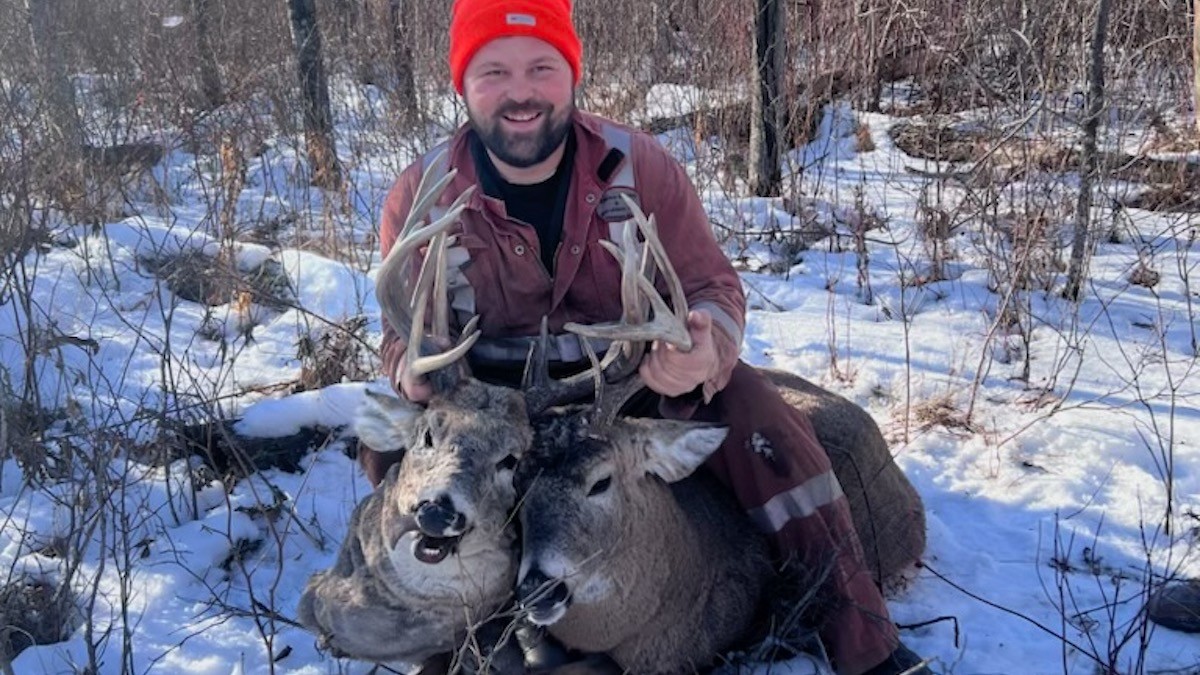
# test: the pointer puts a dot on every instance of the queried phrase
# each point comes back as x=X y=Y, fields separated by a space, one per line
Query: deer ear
x=675 y=449
x=383 y=420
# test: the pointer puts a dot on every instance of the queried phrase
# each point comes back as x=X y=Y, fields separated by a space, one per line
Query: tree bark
x=766 y=119
x=405 y=86
x=1196 y=61
x=58 y=94
x=1088 y=160
x=314 y=92
x=211 y=88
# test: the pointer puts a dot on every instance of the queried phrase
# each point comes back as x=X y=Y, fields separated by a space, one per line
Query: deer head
x=590 y=472
x=460 y=447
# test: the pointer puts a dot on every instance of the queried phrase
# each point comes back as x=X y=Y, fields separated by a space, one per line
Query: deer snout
x=545 y=600
x=438 y=517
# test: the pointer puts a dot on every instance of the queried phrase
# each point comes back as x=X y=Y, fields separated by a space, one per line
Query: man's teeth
x=522 y=118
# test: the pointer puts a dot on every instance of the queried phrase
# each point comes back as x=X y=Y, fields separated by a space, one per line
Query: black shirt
x=541 y=205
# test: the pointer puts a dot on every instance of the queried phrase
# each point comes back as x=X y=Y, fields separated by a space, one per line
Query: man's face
x=519 y=95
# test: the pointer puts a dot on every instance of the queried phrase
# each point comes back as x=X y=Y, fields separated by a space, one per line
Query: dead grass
x=1144 y=275
x=333 y=354
x=1174 y=198
x=198 y=277
x=33 y=612
x=940 y=411
x=945 y=141
x=863 y=142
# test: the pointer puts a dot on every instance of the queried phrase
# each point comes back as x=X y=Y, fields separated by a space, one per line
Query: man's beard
x=526 y=149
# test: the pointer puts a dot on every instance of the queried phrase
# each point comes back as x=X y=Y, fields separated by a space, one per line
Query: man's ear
x=383 y=420
x=674 y=449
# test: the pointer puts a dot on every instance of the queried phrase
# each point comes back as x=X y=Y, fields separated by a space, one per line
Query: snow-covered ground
x=1045 y=506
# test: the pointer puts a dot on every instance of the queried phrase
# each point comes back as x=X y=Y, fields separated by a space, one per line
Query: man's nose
x=520 y=89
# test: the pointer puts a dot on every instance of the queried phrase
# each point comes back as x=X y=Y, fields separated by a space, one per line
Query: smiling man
x=552 y=187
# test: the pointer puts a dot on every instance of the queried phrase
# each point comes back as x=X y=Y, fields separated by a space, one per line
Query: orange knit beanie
x=474 y=23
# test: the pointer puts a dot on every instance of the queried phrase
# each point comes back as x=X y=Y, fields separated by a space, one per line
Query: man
x=551 y=179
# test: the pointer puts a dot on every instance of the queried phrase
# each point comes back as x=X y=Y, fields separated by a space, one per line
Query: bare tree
x=314 y=91
x=62 y=116
x=766 y=119
x=210 y=73
x=1081 y=243
x=405 y=86
x=1196 y=61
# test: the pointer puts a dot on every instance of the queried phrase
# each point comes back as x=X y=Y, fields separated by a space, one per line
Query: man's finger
x=699 y=319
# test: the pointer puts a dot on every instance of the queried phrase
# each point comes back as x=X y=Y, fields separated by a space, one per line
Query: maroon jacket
x=510 y=288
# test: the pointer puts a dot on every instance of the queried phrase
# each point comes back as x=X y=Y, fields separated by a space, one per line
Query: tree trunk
x=314 y=92
x=1088 y=160
x=1196 y=61
x=210 y=73
x=405 y=86
x=873 y=76
x=766 y=119
x=58 y=94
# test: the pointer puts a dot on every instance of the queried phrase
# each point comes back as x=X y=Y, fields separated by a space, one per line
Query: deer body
x=887 y=511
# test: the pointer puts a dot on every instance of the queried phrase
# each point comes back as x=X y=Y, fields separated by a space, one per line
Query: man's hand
x=670 y=372
x=415 y=388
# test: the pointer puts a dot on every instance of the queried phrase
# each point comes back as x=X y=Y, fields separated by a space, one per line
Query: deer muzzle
x=439 y=529
x=544 y=600
x=439 y=518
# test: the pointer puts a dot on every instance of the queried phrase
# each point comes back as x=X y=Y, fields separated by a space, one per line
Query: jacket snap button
x=591 y=198
x=575 y=249
x=519 y=249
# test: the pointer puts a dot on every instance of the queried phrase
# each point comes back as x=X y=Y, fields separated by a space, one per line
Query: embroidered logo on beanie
x=521 y=20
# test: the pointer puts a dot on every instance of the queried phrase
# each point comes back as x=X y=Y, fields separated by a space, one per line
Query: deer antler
x=615 y=378
x=637 y=282
x=403 y=303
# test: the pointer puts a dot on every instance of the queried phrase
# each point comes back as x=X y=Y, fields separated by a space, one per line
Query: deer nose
x=439 y=518
x=545 y=599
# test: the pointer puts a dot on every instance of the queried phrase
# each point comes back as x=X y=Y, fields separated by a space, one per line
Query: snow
x=1045 y=510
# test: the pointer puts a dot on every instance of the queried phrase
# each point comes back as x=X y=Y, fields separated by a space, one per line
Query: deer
x=431 y=554
x=626 y=549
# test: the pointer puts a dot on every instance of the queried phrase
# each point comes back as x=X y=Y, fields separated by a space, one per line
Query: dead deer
x=627 y=551
x=430 y=554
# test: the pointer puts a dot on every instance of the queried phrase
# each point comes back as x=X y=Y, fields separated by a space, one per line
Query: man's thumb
x=699 y=320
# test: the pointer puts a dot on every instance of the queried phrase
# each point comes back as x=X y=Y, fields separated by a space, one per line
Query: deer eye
x=601 y=486
x=428 y=438
x=507 y=464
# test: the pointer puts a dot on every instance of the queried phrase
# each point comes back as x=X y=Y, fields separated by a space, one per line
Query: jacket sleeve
x=395 y=208
x=708 y=278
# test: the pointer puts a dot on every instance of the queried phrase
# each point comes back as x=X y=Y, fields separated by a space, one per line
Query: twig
x=1034 y=622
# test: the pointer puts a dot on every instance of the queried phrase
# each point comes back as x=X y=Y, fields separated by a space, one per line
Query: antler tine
x=611 y=396
x=402 y=302
x=435 y=282
x=427 y=195
x=665 y=324
x=541 y=391
x=649 y=228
